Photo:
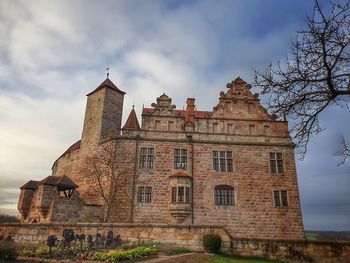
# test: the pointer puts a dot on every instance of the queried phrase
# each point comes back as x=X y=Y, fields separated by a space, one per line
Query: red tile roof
x=132 y=122
x=107 y=83
x=182 y=113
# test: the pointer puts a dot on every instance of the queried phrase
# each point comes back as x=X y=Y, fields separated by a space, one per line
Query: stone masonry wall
x=252 y=215
x=191 y=237
x=293 y=251
x=184 y=235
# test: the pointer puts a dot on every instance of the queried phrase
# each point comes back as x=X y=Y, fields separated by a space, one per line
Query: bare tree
x=344 y=152
x=315 y=75
x=110 y=176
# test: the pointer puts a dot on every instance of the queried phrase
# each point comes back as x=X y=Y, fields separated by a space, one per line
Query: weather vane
x=107 y=69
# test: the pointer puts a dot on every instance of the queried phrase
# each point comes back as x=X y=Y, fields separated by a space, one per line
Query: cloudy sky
x=52 y=53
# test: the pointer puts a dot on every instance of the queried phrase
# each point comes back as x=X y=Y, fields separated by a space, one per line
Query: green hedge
x=212 y=243
x=115 y=256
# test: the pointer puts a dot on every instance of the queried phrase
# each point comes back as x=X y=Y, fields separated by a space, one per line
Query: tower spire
x=107 y=69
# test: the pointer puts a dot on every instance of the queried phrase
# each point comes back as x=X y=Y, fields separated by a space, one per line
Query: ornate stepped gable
x=237 y=103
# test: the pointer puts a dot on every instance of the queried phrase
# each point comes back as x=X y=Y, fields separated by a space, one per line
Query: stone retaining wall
x=190 y=237
x=293 y=251
x=181 y=235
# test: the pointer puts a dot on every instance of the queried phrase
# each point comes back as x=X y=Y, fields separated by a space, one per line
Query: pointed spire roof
x=107 y=83
x=132 y=122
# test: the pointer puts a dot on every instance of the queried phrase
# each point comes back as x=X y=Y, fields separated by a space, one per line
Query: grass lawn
x=230 y=259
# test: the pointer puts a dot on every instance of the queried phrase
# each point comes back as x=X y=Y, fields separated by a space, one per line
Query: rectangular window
x=276 y=197
x=157 y=125
x=180 y=159
x=284 y=198
x=251 y=129
x=229 y=128
x=146 y=158
x=222 y=161
x=280 y=198
x=144 y=194
x=173 y=194
x=187 y=195
x=223 y=195
x=180 y=194
x=279 y=163
x=215 y=127
x=276 y=163
x=171 y=126
x=228 y=106
x=266 y=130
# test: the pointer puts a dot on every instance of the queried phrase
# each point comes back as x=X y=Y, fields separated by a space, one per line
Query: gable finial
x=107 y=69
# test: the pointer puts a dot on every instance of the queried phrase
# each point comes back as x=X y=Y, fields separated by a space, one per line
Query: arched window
x=224 y=195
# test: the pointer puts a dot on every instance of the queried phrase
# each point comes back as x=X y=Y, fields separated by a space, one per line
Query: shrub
x=115 y=256
x=26 y=253
x=212 y=243
x=68 y=236
x=51 y=241
x=7 y=250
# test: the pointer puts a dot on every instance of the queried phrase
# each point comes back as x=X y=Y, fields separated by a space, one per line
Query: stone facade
x=233 y=166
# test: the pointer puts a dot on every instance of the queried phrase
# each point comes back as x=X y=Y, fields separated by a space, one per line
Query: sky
x=52 y=53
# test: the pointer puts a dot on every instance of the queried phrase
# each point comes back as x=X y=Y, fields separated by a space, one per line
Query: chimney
x=190 y=109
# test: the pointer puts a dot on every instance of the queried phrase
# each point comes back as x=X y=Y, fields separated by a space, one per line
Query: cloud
x=53 y=53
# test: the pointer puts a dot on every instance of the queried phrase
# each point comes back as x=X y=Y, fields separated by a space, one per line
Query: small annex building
x=231 y=166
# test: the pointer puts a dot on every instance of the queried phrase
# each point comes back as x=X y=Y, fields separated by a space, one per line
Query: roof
x=30 y=185
x=198 y=114
x=180 y=174
x=62 y=182
x=107 y=83
x=239 y=81
x=59 y=181
x=132 y=122
x=71 y=148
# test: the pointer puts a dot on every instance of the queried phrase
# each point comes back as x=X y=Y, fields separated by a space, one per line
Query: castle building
x=233 y=166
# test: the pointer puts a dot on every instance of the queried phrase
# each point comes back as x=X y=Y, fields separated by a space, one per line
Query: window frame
x=144 y=194
x=222 y=161
x=147 y=159
x=180 y=194
x=224 y=195
x=280 y=199
x=276 y=163
x=180 y=160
